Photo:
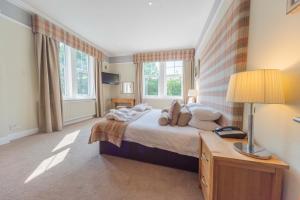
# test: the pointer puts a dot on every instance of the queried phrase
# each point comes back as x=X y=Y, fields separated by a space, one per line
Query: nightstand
x=224 y=174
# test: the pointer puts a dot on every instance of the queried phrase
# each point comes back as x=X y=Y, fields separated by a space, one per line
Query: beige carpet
x=63 y=166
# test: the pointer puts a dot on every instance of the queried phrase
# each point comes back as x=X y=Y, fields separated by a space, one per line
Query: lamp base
x=255 y=152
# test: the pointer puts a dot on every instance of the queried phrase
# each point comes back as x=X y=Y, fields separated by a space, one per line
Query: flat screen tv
x=109 y=78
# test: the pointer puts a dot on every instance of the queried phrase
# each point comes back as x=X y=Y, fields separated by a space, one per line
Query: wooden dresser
x=225 y=174
x=127 y=101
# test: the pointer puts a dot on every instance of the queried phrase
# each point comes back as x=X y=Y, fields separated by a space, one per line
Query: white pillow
x=203 y=125
x=141 y=107
x=194 y=105
x=205 y=114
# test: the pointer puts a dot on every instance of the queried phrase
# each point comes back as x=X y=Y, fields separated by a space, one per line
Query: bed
x=223 y=55
x=145 y=140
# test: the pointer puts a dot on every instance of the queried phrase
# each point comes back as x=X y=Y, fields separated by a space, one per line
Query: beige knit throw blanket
x=112 y=130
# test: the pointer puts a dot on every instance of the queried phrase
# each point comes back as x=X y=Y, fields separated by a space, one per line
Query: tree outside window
x=76 y=73
x=82 y=73
x=163 y=79
x=151 y=78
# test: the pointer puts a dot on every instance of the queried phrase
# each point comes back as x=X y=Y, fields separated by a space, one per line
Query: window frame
x=159 y=82
x=162 y=82
x=71 y=76
x=166 y=80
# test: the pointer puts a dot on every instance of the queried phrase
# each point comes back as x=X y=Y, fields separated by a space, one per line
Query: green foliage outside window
x=82 y=73
x=151 y=73
x=151 y=69
x=171 y=77
x=151 y=87
x=174 y=87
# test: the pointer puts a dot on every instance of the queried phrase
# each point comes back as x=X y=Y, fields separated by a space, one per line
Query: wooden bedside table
x=225 y=174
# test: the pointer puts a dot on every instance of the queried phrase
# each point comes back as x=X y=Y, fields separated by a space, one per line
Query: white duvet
x=147 y=131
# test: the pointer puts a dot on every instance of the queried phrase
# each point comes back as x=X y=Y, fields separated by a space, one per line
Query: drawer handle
x=203 y=181
x=203 y=157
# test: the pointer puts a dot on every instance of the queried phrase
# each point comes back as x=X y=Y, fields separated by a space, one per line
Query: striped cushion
x=174 y=112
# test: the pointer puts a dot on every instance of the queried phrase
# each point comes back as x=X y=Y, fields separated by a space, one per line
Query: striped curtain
x=188 y=78
x=50 y=98
x=180 y=54
x=225 y=54
x=47 y=36
x=45 y=27
x=99 y=88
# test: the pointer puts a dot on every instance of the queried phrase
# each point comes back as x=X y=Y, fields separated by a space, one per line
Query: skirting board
x=4 y=140
x=78 y=119
x=17 y=135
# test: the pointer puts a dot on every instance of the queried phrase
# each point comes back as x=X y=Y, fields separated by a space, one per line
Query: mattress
x=147 y=131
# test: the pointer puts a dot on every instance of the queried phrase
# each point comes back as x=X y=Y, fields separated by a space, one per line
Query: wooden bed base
x=157 y=156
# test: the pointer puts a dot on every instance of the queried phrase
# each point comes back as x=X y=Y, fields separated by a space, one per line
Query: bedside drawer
x=222 y=170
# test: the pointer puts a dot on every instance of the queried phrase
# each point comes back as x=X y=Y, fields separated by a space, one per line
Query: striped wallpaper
x=225 y=54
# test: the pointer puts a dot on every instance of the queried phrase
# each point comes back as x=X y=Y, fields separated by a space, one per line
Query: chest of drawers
x=224 y=174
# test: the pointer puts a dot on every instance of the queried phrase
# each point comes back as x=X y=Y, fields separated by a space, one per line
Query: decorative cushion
x=141 y=107
x=184 y=117
x=163 y=119
x=165 y=110
x=174 y=112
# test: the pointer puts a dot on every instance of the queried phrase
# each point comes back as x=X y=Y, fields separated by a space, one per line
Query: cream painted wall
x=274 y=42
x=127 y=73
x=18 y=83
x=160 y=103
x=78 y=109
x=108 y=90
x=18 y=79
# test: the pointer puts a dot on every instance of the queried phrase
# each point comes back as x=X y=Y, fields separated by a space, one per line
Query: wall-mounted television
x=109 y=78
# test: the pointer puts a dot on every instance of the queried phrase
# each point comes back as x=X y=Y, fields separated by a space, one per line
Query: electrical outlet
x=13 y=127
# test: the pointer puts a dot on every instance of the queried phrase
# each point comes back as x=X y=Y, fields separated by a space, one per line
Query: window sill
x=79 y=99
x=162 y=98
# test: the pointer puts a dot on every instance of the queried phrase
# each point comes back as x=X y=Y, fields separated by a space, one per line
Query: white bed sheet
x=147 y=131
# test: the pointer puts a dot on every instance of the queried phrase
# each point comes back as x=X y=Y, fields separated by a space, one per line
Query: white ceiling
x=124 y=27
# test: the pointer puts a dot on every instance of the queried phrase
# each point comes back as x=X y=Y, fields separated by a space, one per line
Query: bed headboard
x=224 y=54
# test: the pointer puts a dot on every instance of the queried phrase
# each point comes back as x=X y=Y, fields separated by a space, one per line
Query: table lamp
x=260 y=86
x=192 y=94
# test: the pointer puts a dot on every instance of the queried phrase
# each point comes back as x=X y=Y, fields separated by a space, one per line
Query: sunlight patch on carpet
x=67 y=140
x=47 y=164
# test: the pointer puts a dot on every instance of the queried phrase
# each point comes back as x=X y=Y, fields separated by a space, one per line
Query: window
x=174 y=76
x=76 y=73
x=63 y=67
x=151 y=79
x=163 y=79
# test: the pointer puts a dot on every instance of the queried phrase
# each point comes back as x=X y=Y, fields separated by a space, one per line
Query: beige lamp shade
x=192 y=93
x=259 y=86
